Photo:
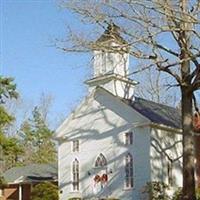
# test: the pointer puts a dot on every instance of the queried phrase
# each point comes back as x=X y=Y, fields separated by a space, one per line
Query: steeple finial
x=113 y=29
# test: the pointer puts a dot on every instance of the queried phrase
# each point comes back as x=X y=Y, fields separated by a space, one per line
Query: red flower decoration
x=104 y=178
x=97 y=178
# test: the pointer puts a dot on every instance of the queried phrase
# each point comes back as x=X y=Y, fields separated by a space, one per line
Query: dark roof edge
x=121 y=100
x=151 y=124
x=161 y=104
x=165 y=127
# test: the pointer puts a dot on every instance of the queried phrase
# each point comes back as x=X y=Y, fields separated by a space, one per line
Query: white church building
x=114 y=143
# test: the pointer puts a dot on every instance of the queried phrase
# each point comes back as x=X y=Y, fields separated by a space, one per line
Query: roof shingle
x=157 y=113
x=33 y=172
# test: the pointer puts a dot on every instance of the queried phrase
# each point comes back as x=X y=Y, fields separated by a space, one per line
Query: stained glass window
x=75 y=175
x=128 y=171
x=100 y=161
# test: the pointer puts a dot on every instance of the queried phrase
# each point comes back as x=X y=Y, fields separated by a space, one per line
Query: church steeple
x=111 y=54
x=110 y=64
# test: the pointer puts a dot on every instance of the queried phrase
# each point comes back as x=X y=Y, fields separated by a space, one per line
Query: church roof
x=157 y=113
x=31 y=173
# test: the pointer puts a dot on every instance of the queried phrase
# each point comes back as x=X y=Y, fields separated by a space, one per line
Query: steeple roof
x=112 y=33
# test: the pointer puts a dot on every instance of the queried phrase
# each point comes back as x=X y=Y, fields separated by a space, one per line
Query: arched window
x=128 y=171
x=169 y=172
x=100 y=161
x=75 y=175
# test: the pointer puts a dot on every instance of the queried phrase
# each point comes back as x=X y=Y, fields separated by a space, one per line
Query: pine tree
x=36 y=138
x=10 y=150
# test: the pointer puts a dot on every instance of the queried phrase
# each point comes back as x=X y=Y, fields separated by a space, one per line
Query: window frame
x=75 y=174
x=75 y=146
x=170 y=173
x=128 y=138
x=128 y=180
x=102 y=160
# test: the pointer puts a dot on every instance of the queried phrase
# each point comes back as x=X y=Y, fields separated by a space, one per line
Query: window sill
x=128 y=189
x=101 y=167
x=73 y=192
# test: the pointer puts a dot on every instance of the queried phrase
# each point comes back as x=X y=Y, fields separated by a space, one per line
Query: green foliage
x=45 y=191
x=178 y=194
x=156 y=191
x=78 y=198
x=10 y=151
x=75 y=198
x=110 y=199
x=10 y=148
x=37 y=139
x=198 y=193
x=7 y=89
x=5 y=118
x=2 y=182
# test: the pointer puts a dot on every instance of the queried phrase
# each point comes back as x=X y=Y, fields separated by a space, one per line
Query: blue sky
x=28 y=28
x=27 y=31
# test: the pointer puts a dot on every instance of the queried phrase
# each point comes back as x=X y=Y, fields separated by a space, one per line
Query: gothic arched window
x=75 y=175
x=128 y=171
x=100 y=161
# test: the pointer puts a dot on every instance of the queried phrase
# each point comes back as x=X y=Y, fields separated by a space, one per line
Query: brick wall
x=26 y=192
x=11 y=192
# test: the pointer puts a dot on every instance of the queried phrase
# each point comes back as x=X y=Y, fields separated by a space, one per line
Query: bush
x=178 y=194
x=110 y=199
x=75 y=198
x=2 y=182
x=78 y=198
x=198 y=193
x=156 y=191
x=45 y=191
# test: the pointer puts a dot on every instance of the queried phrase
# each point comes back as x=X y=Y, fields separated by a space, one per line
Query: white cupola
x=111 y=53
x=111 y=60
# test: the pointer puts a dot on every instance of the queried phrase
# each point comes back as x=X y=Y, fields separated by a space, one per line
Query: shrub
x=198 y=193
x=156 y=190
x=45 y=191
x=2 y=182
x=110 y=199
x=178 y=194
x=78 y=198
x=75 y=198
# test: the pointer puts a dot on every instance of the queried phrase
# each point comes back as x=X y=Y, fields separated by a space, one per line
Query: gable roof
x=31 y=173
x=156 y=113
x=60 y=131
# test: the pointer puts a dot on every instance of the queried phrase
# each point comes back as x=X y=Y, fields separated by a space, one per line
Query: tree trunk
x=197 y=157
x=188 y=146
